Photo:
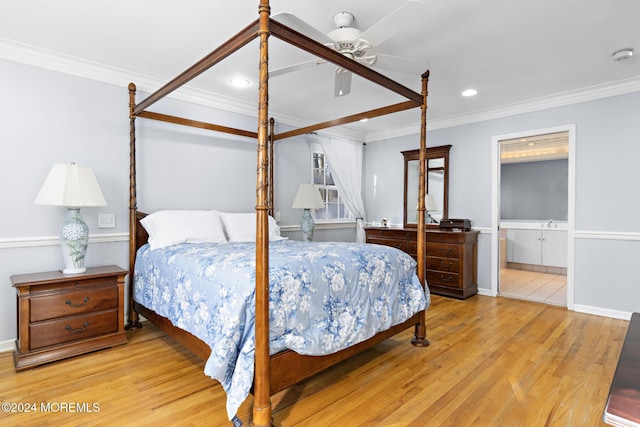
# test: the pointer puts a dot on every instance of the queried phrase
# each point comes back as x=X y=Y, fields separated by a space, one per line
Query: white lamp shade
x=308 y=197
x=72 y=186
x=430 y=203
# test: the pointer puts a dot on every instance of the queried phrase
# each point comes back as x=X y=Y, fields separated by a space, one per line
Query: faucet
x=549 y=223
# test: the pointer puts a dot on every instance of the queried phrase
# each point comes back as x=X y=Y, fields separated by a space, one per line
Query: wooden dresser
x=65 y=315
x=452 y=257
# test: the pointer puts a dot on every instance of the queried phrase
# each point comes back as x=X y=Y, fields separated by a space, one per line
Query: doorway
x=533 y=215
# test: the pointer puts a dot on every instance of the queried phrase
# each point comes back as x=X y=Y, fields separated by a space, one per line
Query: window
x=334 y=209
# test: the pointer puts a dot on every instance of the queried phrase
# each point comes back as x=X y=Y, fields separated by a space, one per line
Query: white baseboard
x=487 y=292
x=6 y=346
x=616 y=314
x=587 y=309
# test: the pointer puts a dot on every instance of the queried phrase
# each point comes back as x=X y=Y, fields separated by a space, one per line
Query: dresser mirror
x=437 y=185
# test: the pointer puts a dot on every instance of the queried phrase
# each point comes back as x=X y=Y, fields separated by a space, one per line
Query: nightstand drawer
x=54 y=332
x=83 y=300
x=71 y=283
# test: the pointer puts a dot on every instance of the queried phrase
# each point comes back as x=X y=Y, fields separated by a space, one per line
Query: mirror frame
x=432 y=153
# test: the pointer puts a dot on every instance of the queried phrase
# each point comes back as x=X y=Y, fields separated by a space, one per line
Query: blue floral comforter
x=323 y=297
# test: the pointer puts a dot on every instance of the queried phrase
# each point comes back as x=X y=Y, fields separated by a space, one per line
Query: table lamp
x=307 y=198
x=74 y=187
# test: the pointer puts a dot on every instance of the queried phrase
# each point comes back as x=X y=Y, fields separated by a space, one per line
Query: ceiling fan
x=361 y=46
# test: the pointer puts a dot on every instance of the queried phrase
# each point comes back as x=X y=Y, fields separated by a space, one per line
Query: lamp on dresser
x=74 y=187
x=307 y=198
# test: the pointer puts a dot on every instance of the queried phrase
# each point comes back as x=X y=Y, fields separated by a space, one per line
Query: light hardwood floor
x=492 y=362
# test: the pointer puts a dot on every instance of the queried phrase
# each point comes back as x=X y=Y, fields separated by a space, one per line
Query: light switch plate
x=106 y=220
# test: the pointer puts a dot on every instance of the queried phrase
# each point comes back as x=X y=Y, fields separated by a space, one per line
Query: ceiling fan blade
x=394 y=22
x=342 y=82
x=295 y=23
x=295 y=67
x=401 y=64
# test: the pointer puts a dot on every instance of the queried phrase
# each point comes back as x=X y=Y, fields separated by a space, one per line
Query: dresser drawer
x=450 y=265
x=78 y=301
x=410 y=247
x=443 y=278
x=391 y=233
x=444 y=250
x=54 y=332
x=399 y=244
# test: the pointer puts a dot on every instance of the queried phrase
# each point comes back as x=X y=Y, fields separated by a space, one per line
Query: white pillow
x=183 y=226
x=241 y=227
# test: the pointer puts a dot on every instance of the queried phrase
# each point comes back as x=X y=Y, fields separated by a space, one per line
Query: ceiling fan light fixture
x=345 y=36
x=342 y=85
x=622 y=54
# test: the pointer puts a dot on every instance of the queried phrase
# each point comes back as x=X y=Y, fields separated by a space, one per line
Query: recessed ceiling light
x=364 y=120
x=239 y=82
x=470 y=92
x=622 y=54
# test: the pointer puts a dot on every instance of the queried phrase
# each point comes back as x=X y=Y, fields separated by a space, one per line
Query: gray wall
x=606 y=187
x=534 y=190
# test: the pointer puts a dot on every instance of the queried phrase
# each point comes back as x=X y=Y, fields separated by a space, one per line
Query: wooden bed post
x=262 y=384
x=271 y=132
x=133 y=321
x=420 y=335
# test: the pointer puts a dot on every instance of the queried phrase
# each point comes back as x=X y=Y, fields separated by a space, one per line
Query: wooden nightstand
x=66 y=315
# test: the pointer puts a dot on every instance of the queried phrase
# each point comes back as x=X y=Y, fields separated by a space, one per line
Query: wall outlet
x=106 y=220
x=276 y=216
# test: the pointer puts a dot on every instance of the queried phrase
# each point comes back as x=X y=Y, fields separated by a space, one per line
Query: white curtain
x=345 y=162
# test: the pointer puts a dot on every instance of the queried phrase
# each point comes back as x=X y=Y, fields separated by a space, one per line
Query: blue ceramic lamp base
x=73 y=240
x=306 y=225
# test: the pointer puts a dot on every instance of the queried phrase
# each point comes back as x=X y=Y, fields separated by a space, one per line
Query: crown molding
x=56 y=61
x=604 y=90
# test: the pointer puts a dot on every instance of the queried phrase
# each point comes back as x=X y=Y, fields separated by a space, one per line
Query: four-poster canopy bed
x=284 y=368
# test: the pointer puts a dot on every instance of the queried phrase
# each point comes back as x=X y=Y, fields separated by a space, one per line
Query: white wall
x=607 y=238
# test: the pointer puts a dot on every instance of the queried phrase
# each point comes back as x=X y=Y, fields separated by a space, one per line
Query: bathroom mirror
x=437 y=185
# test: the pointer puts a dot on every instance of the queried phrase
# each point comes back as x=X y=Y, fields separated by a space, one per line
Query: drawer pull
x=75 y=331
x=70 y=304
x=447 y=251
x=446 y=278
x=446 y=264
